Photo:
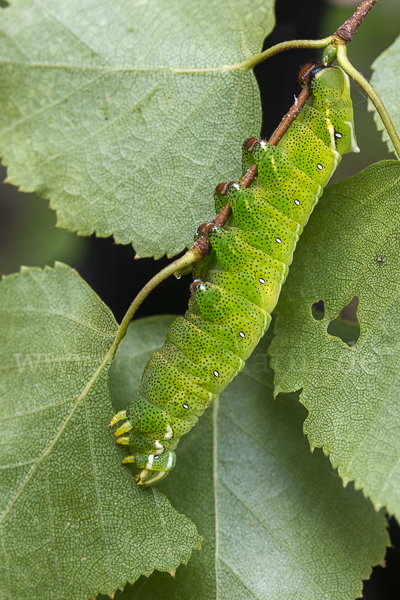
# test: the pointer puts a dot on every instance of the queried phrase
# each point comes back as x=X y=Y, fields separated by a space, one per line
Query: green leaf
x=277 y=522
x=120 y=112
x=351 y=247
x=386 y=82
x=72 y=521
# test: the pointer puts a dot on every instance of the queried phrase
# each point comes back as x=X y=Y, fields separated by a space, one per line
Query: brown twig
x=289 y=117
x=203 y=244
x=344 y=34
x=348 y=29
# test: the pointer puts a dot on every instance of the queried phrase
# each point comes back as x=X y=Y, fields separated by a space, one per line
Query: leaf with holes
x=276 y=522
x=351 y=247
x=386 y=81
x=123 y=114
x=72 y=521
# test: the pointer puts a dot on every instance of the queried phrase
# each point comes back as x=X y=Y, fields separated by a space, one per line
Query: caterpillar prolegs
x=230 y=306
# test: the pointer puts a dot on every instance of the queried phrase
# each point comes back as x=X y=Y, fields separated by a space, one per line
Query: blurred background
x=28 y=237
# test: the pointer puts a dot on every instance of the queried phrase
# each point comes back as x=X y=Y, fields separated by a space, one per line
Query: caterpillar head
x=308 y=72
x=330 y=87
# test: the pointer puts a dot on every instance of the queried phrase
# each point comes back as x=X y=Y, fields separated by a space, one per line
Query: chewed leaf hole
x=318 y=310
x=346 y=325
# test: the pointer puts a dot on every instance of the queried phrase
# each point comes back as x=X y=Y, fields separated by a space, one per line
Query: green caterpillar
x=230 y=305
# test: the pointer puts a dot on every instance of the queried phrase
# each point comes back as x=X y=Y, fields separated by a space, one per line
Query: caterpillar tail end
x=154 y=467
x=147 y=478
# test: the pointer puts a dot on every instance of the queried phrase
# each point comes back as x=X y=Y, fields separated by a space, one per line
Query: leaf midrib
x=53 y=313
x=224 y=68
x=46 y=453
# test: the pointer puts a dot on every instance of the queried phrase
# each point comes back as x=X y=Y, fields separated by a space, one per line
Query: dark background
x=27 y=237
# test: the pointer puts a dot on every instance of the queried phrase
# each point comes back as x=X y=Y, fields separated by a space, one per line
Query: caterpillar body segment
x=230 y=306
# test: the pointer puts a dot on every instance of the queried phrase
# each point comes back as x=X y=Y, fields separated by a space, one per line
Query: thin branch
x=345 y=33
x=203 y=244
x=348 y=29
x=289 y=117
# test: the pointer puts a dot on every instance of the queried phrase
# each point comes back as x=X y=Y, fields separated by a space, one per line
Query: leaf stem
x=345 y=33
x=369 y=90
x=290 y=45
x=190 y=257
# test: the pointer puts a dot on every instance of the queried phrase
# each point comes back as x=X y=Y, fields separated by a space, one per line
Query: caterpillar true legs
x=230 y=305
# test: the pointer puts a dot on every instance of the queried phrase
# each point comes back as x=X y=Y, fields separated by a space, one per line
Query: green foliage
x=351 y=392
x=388 y=87
x=125 y=118
x=277 y=522
x=72 y=521
x=110 y=107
